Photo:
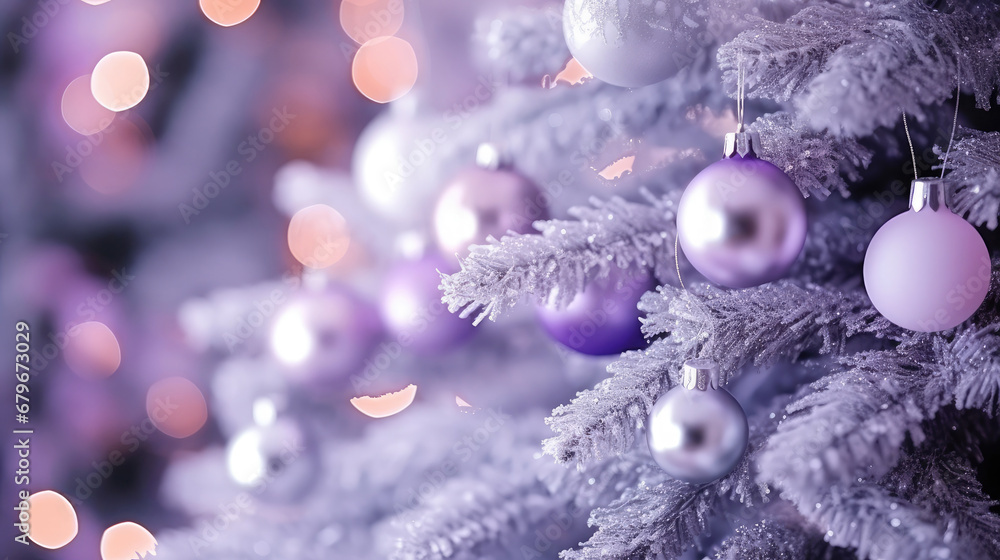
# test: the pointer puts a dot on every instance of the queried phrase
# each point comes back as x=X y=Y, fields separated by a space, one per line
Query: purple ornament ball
x=412 y=310
x=927 y=270
x=741 y=222
x=604 y=318
x=481 y=202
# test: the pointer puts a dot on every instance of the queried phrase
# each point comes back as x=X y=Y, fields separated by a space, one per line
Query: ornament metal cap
x=741 y=142
x=928 y=193
x=489 y=156
x=701 y=374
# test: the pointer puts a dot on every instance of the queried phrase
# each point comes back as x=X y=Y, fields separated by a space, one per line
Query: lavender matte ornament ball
x=741 y=222
x=697 y=431
x=927 y=269
x=484 y=200
x=604 y=318
x=412 y=310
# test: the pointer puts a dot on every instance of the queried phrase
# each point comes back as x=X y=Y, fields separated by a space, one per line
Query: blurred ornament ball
x=486 y=200
x=325 y=336
x=279 y=460
x=604 y=318
x=412 y=310
x=927 y=269
x=318 y=236
x=635 y=43
x=386 y=159
x=92 y=350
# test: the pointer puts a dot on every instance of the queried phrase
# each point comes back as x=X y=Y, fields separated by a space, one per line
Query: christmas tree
x=541 y=181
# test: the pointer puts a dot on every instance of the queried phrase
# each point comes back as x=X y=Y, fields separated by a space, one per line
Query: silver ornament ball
x=634 y=43
x=279 y=461
x=697 y=432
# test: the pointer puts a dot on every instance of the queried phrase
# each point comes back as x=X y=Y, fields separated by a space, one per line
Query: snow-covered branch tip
x=850 y=70
x=974 y=162
x=815 y=160
x=564 y=257
x=759 y=325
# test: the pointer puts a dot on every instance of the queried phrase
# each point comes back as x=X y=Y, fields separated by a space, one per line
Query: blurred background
x=185 y=327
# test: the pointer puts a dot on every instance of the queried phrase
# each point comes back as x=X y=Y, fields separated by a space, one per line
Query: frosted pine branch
x=835 y=246
x=946 y=484
x=493 y=510
x=735 y=327
x=761 y=325
x=880 y=526
x=814 y=160
x=679 y=510
x=930 y=506
x=856 y=421
x=770 y=540
x=524 y=44
x=851 y=70
x=566 y=255
x=974 y=162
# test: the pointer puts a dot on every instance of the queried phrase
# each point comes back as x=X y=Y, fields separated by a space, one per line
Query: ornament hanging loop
x=741 y=79
x=741 y=142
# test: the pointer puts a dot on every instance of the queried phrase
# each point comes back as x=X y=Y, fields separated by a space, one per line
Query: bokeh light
x=291 y=340
x=364 y=20
x=92 y=350
x=52 y=520
x=386 y=405
x=127 y=541
x=96 y=2
x=384 y=69
x=177 y=407
x=120 y=80
x=81 y=111
x=318 y=236
x=228 y=13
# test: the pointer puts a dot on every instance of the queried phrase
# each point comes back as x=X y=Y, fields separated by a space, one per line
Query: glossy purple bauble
x=927 y=271
x=604 y=318
x=412 y=310
x=482 y=202
x=741 y=222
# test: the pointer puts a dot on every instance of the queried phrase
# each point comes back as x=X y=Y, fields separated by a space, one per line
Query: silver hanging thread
x=906 y=128
x=677 y=261
x=954 y=120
